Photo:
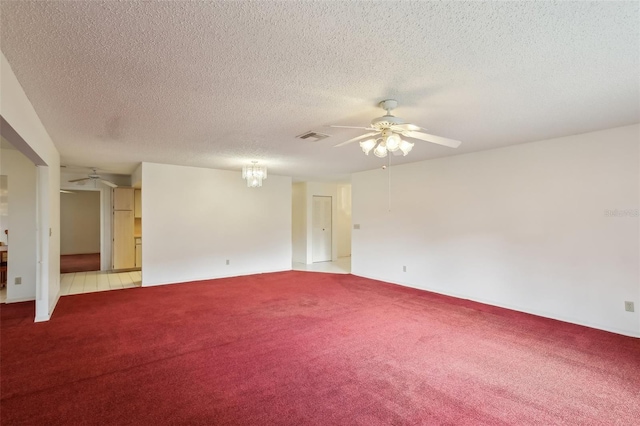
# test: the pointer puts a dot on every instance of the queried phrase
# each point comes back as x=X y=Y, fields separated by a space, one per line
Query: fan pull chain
x=389 y=178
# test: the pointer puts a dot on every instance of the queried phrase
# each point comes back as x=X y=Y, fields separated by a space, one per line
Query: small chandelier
x=389 y=142
x=254 y=174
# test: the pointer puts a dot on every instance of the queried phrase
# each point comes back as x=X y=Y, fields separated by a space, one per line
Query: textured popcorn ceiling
x=217 y=84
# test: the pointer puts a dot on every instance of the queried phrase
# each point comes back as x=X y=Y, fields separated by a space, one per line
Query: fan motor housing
x=386 y=121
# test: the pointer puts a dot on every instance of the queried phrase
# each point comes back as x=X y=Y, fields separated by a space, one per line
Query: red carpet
x=298 y=348
x=79 y=263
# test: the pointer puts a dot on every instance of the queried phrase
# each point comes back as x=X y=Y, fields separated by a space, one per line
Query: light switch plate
x=628 y=306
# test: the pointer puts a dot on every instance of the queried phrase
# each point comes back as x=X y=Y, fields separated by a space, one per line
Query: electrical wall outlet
x=404 y=269
x=356 y=226
x=227 y=261
x=628 y=306
x=18 y=281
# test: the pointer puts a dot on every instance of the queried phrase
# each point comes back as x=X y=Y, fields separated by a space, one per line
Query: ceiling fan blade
x=353 y=127
x=407 y=127
x=451 y=143
x=366 y=135
x=78 y=180
x=106 y=182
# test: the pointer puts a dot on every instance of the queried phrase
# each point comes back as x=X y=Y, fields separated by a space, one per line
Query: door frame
x=105 y=247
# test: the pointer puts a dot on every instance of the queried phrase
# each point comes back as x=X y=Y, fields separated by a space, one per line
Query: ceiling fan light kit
x=254 y=174
x=385 y=132
x=390 y=142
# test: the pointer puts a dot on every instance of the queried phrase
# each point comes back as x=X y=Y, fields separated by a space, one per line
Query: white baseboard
x=233 y=275
x=23 y=299
x=569 y=320
x=42 y=318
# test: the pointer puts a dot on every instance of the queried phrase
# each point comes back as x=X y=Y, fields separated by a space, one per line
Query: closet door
x=321 y=232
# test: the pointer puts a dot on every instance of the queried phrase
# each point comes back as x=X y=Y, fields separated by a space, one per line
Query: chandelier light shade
x=389 y=142
x=254 y=174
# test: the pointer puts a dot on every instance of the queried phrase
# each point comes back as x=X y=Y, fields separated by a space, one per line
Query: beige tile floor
x=88 y=282
x=340 y=266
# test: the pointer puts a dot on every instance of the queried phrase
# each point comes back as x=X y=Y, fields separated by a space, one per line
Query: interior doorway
x=80 y=225
x=322 y=228
x=19 y=265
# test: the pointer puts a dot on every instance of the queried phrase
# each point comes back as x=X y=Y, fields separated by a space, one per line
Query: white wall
x=344 y=220
x=16 y=110
x=195 y=219
x=136 y=177
x=80 y=222
x=524 y=227
x=21 y=215
x=299 y=222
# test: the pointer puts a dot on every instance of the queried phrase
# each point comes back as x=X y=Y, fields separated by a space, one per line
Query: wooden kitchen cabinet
x=138 y=255
x=123 y=199
x=123 y=226
x=123 y=241
x=137 y=226
x=137 y=203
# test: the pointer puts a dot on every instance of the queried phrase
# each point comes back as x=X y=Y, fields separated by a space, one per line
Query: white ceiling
x=217 y=84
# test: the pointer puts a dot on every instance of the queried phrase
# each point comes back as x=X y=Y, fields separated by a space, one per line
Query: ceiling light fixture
x=389 y=142
x=384 y=134
x=254 y=174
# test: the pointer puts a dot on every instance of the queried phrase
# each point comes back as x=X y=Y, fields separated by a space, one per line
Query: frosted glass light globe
x=406 y=147
x=381 y=150
x=367 y=145
x=393 y=142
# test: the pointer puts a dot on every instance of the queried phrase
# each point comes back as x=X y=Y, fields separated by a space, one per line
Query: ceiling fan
x=95 y=177
x=385 y=134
